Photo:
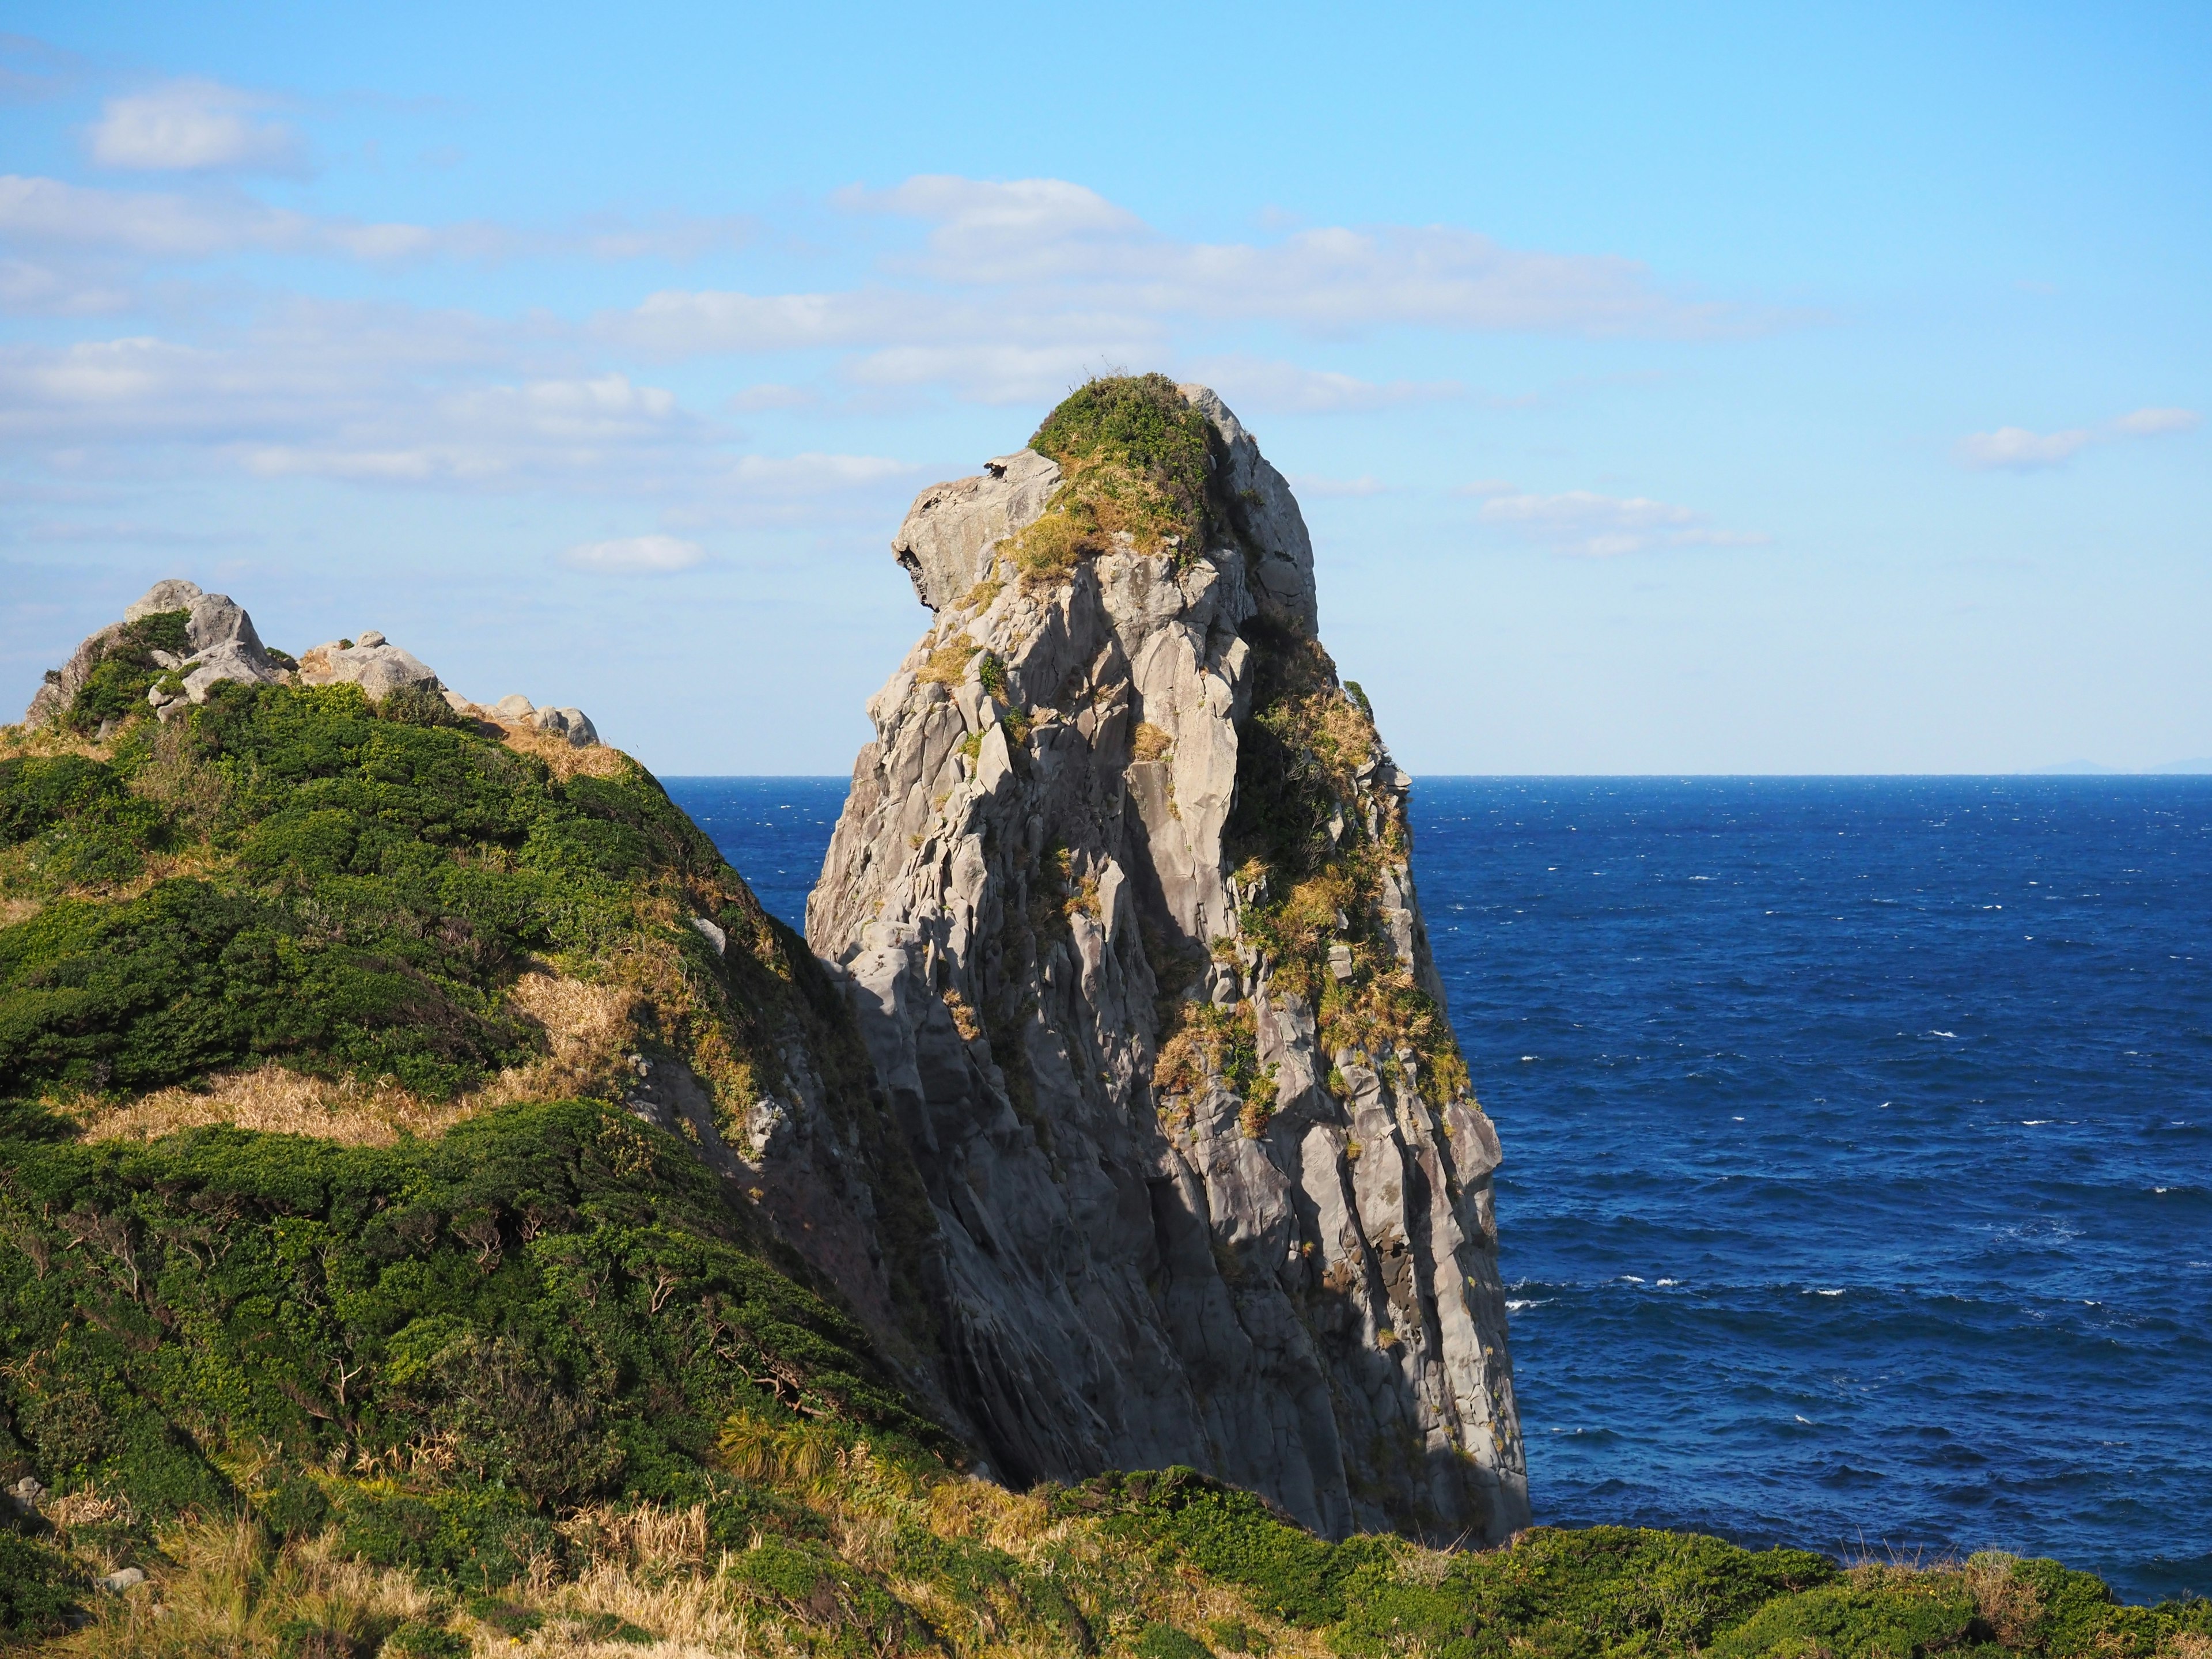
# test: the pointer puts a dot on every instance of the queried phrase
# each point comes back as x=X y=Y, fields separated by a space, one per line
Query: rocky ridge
x=178 y=643
x=1122 y=899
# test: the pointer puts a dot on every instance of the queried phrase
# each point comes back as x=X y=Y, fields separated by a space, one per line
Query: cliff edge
x=1123 y=898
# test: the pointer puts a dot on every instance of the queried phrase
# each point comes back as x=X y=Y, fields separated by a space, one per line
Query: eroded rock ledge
x=1121 y=896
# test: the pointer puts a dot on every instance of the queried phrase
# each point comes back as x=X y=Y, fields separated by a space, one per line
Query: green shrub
x=418 y=705
x=1166 y=1642
x=375 y=886
x=1876 y=1614
x=40 y=1588
x=294 y=1508
x=416 y=1639
x=125 y=670
x=76 y=823
x=1137 y=426
x=811 y=1583
x=1235 y=1636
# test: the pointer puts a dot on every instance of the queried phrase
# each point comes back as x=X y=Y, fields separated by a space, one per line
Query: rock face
x=1122 y=899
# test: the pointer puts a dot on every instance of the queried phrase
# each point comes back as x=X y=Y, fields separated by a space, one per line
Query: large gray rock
x=1298 y=1293
x=950 y=526
x=222 y=643
x=378 y=668
x=569 y=723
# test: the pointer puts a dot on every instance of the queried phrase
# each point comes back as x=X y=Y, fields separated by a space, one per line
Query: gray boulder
x=513 y=707
x=569 y=723
x=378 y=668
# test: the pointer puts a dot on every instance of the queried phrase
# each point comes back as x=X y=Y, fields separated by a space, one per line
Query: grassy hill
x=343 y=1296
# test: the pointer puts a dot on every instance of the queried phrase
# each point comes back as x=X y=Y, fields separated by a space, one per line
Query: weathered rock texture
x=1121 y=898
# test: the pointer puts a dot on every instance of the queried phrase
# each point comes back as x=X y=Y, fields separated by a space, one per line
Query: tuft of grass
x=948 y=664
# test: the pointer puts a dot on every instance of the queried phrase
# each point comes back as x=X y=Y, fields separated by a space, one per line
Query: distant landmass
x=2082 y=769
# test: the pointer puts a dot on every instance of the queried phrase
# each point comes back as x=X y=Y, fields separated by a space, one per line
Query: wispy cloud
x=2017 y=449
x=1585 y=525
x=1366 y=483
x=194 y=126
x=2152 y=422
x=1269 y=387
x=1049 y=232
x=636 y=556
x=1020 y=287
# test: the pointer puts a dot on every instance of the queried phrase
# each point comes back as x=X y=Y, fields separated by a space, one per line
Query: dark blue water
x=1858 y=1189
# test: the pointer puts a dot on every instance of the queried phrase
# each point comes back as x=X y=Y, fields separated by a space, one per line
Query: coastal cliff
x=1121 y=893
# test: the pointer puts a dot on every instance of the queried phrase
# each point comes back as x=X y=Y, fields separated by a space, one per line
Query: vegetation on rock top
x=1133 y=456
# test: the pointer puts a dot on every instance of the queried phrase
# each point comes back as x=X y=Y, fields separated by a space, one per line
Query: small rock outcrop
x=378 y=667
x=170 y=647
x=1121 y=898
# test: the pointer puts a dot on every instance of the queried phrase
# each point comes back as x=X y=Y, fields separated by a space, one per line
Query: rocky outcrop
x=1122 y=899
x=178 y=643
x=184 y=640
x=378 y=667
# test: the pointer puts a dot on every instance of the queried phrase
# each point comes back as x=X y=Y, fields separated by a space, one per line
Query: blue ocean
x=1858 y=1133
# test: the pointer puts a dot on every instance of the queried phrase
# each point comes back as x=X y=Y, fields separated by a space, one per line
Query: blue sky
x=1687 y=388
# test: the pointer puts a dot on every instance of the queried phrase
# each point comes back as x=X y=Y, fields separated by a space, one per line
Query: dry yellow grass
x=566 y=762
x=948 y=664
x=589 y=1026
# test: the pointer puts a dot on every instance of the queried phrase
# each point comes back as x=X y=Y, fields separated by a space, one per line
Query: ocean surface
x=1858 y=1135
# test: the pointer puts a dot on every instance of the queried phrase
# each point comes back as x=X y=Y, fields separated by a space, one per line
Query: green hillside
x=467 y=1358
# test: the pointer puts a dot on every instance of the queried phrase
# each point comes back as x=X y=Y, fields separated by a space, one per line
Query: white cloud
x=1029 y=230
x=814 y=474
x=2016 y=449
x=998 y=371
x=1022 y=288
x=1366 y=483
x=1286 y=388
x=1586 y=525
x=162 y=224
x=1050 y=233
x=2151 y=423
x=192 y=126
x=636 y=556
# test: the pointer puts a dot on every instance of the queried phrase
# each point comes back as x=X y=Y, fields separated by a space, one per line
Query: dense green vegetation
x=435 y=1349
x=350 y=893
x=1615 y=1591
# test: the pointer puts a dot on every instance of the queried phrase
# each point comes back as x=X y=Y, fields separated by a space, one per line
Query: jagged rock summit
x=178 y=643
x=1121 y=898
